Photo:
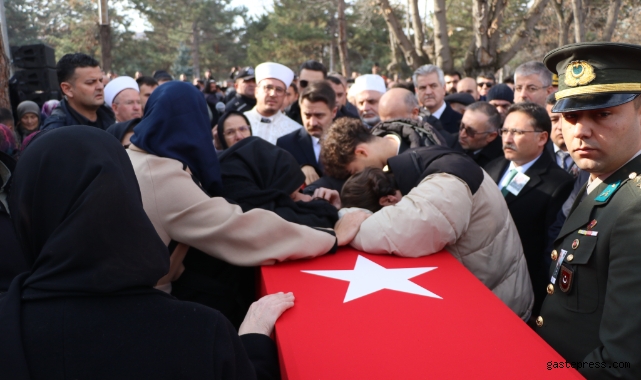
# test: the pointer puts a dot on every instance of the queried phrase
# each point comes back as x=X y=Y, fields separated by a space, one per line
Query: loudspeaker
x=33 y=56
x=40 y=97
x=36 y=80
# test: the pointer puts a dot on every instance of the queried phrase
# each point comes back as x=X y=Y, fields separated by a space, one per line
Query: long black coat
x=534 y=210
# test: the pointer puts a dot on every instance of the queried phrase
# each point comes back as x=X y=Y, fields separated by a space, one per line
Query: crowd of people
x=149 y=242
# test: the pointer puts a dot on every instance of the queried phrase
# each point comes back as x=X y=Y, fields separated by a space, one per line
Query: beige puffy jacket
x=441 y=213
x=181 y=211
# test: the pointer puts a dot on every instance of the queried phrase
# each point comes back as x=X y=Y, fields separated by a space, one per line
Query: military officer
x=592 y=312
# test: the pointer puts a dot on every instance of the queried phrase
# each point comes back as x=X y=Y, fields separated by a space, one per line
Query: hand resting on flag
x=262 y=314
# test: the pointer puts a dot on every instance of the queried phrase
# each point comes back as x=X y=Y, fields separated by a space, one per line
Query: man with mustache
x=317 y=109
x=590 y=314
x=267 y=121
x=533 y=185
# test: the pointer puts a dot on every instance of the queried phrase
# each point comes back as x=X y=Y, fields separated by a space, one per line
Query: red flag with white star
x=362 y=316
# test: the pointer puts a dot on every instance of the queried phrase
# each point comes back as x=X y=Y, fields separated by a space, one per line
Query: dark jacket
x=450 y=119
x=12 y=260
x=534 y=210
x=299 y=144
x=594 y=318
x=490 y=152
x=62 y=117
x=240 y=103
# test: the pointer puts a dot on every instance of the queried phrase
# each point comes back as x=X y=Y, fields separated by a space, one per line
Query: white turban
x=115 y=87
x=274 y=70
x=368 y=82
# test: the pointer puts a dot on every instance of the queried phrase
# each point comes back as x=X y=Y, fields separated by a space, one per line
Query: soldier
x=591 y=312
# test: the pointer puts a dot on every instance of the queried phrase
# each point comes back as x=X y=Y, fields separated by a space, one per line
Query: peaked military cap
x=595 y=75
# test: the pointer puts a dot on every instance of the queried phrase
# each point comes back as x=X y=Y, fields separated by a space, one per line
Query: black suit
x=489 y=153
x=450 y=119
x=299 y=144
x=534 y=210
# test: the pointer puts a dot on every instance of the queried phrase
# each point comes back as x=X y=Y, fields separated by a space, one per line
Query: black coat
x=450 y=119
x=533 y=211
x=299 y=144
x=62 y=117
x=87 y=309
x=489 y=153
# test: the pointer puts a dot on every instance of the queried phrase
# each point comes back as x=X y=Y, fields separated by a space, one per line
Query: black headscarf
x=82 y=227
x=221 y=127
x=176 y=125
x=119 y=130
x=258 y=174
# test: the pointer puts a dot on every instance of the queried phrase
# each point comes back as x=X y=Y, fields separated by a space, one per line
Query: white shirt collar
x=523 y=168
x=437 y=114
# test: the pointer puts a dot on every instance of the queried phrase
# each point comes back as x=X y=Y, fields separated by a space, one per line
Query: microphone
x=220 y=107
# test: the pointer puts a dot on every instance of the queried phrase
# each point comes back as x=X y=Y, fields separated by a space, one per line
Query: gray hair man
x=532 y=83
x=429 y=84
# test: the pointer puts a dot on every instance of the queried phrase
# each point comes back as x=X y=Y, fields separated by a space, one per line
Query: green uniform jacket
x=593 y=311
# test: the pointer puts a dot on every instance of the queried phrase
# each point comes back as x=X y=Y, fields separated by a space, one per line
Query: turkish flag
x=439 y=322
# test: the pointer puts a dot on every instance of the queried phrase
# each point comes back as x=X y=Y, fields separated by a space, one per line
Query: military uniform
x=592 y=312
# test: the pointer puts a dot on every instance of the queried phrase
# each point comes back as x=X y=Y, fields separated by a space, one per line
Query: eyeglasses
x=470 y=132
x=486 y=84
x=232 y=131
x=530 y=88
x=515 y=132
x=268 y=88
x=130 y=102
x=303 y=83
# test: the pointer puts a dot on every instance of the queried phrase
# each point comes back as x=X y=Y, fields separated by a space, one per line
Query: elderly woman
x=28 y=118
x=232 y=127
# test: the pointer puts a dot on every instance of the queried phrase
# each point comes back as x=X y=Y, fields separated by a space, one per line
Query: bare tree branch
x=522 y=33
x=613 y=15
x=411 y=56
x=579 y=17
x=441 y=38
x=342 y=38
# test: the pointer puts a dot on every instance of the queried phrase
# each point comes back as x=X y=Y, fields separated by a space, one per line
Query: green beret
x=595 y=75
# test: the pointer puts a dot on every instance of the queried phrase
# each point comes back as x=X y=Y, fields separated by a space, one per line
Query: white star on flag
x=368 y=277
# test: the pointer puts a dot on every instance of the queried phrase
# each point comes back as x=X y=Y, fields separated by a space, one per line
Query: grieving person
x=87 y=308
x=180 y=182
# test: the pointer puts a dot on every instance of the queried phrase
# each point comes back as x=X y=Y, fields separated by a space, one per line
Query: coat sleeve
x=618 y=356
x=258 y=237
x=434 y=214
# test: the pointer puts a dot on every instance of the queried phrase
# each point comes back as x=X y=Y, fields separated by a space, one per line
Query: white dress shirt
x=270 y=128
x=437 y=114
x=521 y=169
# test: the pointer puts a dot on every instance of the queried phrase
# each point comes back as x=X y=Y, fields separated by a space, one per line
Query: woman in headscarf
x=232 y=127
x=87 y=308
x=28 y=118
x=123 y=131
x=258 y=174
x=48 y=107
x=179 y=176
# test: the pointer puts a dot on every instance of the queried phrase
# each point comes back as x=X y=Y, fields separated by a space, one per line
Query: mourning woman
x=258 y=174
x=87 y=309
x=179 y=177
x=232 y=127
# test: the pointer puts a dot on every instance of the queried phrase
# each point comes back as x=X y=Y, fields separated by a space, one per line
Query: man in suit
x=479 y=133
x=533 y=185
x=429 y=84
x=317 y=109
x=590 y=314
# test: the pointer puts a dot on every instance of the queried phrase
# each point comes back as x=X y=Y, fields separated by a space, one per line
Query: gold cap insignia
x=579 y=73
